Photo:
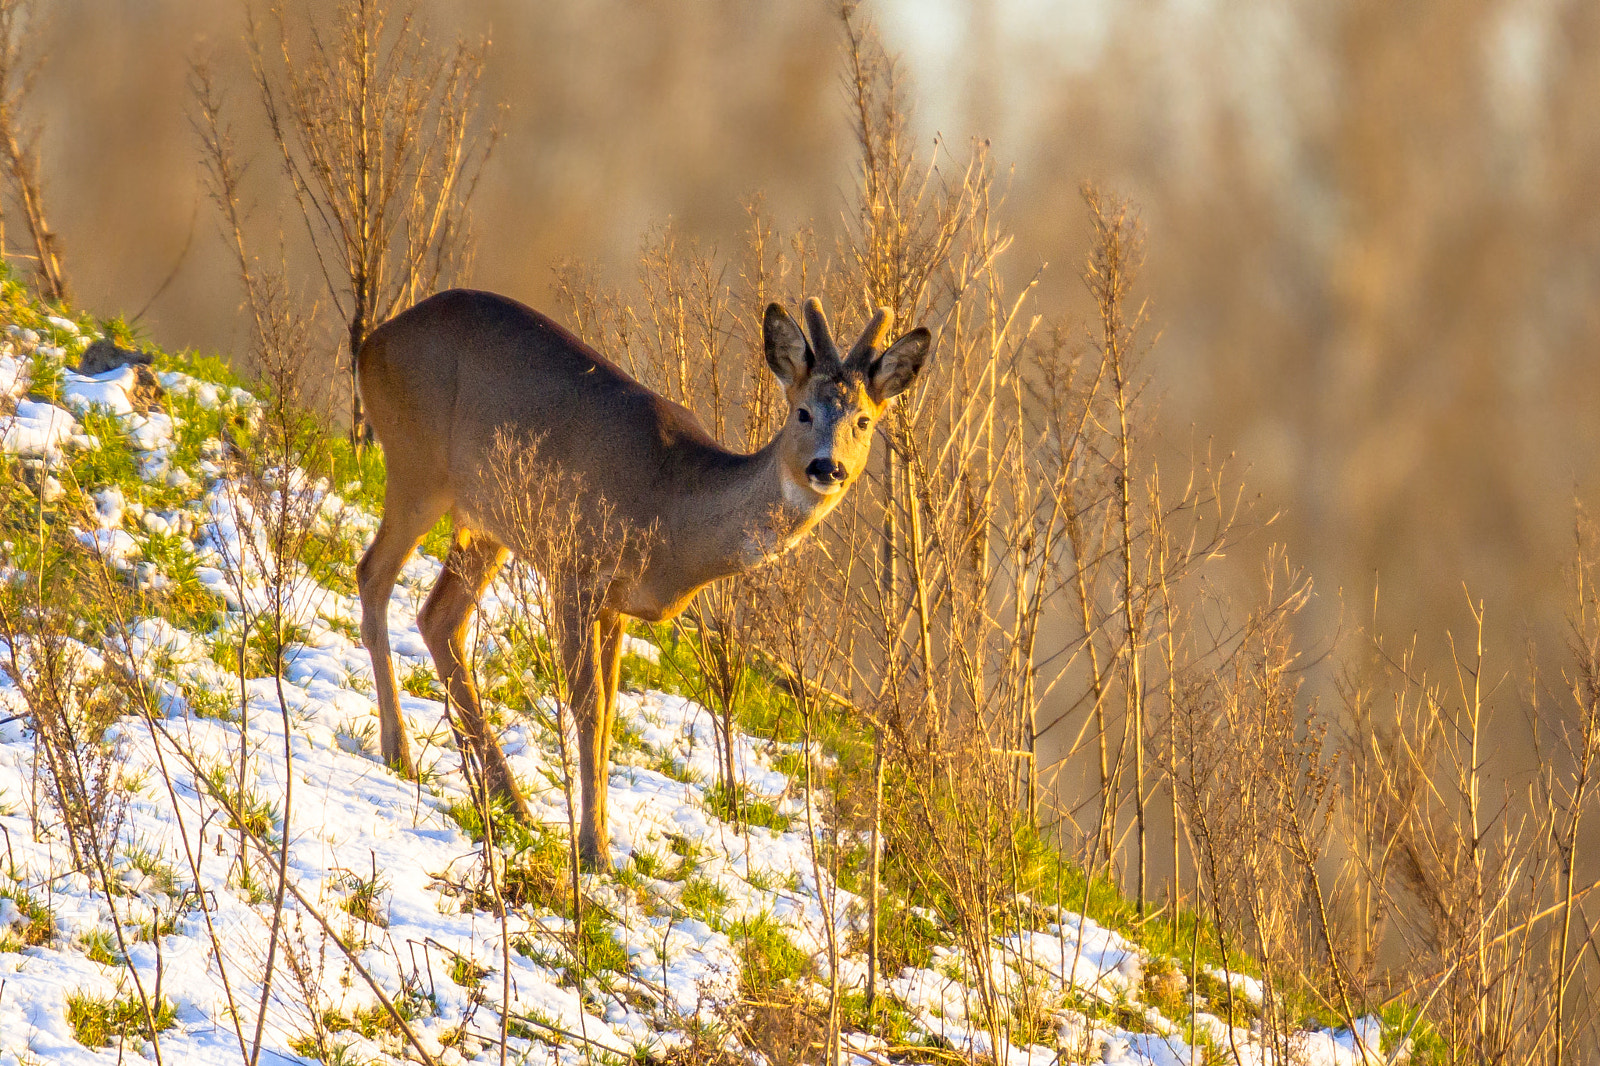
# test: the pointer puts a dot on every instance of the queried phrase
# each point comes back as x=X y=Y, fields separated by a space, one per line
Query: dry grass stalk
x=786 y=635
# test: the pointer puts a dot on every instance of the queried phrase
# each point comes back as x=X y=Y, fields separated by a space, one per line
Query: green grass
x=159 y=875
x=598 y=944
x=38 y=927
x=468 y=972
x=100 y=945
x=45 y=376
x=422 y=682
x=516 y=675
x=112 y=463
x=209 y=703
x=737 y=805
x=328 y=1053
x=638 y=673
x=185 y=602
x=330 y=560
x=364 y=899
x=667 y=764
x=212 y=368
x=598 y=950
x=359 y=479
x=627 y=736
x=262 y=647
x=436 y=542
x=704 y=899
x=888 y=1018
x=537 y=870
x=251 y=811
x=688 y=852
x=98 y=1021
x=159 y=924
x=1427 y=1044
x=768 y=957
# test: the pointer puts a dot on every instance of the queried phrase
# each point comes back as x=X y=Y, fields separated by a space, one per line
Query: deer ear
x=788 y=354
x=893 y=372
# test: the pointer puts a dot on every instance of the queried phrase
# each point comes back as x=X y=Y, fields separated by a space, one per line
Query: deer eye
x=803 y=415
x=863 y=422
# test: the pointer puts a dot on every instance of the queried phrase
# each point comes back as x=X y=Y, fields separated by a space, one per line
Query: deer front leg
x=611 y=627
x=583 y=642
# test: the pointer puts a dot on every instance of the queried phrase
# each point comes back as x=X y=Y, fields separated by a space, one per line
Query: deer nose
x=826 y=471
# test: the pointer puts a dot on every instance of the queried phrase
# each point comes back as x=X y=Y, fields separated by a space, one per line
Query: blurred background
x=1374 y=227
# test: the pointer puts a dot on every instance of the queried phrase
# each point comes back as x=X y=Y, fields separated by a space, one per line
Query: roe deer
x=445 y=379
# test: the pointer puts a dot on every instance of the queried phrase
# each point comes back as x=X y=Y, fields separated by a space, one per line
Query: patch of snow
x=1242 y=984
x=115 y=546
x=632 y=645
x=110 y=504
x=15 y=373
x=108 y=391
x=37 y=428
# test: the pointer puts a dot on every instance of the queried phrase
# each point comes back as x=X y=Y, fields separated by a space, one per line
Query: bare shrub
x=51 y=612
x=571 y=550
x=1477 y=878
x=377 y=127
x=21 y=27
x=691 y=338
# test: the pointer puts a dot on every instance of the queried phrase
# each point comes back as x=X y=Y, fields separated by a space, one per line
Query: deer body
x=447 y=378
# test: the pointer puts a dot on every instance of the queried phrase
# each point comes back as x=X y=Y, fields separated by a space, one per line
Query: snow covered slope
x=384 y=866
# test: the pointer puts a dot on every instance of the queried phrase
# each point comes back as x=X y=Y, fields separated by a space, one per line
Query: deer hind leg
x=405 y=521
x=587 y=633
x=473 y=561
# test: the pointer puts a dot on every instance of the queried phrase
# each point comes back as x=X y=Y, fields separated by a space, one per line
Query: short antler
x=862 y=352
x=821 y=340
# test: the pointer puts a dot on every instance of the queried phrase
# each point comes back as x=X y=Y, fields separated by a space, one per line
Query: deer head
x=834 y=403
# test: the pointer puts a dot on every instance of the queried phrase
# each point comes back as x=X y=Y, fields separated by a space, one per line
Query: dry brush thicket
x=1015 y=597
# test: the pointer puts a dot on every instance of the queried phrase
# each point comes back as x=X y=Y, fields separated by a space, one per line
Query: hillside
x=709 y=939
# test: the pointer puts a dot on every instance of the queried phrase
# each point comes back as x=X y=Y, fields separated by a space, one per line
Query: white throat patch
x=800 y=497
x=802 y=507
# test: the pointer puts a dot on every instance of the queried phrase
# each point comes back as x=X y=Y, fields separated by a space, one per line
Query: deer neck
x=747 y=513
